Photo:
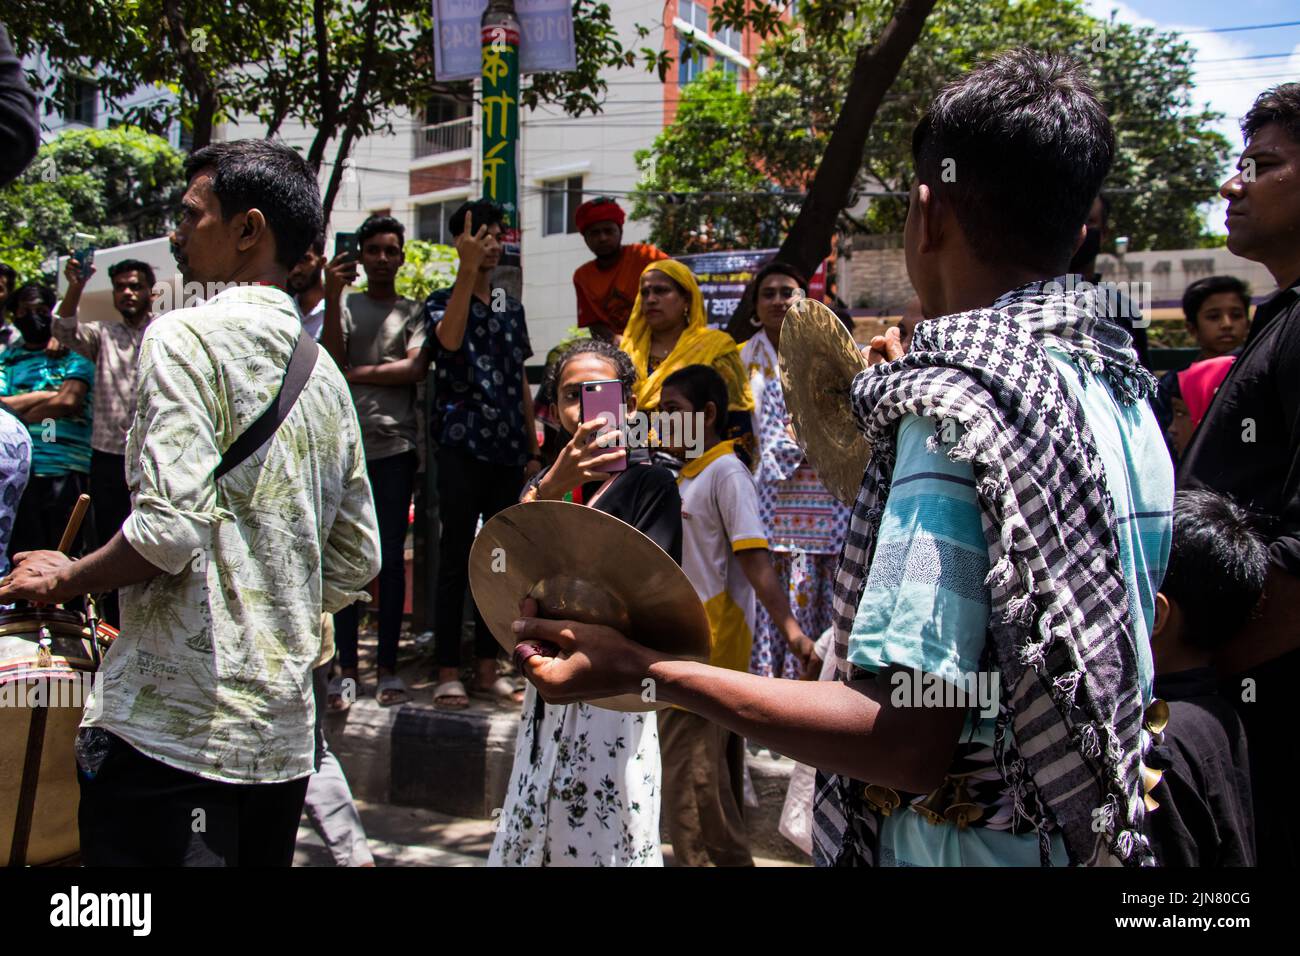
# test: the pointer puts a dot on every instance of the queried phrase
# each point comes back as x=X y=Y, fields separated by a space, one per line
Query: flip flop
x=500 y=690
x=391 y=682
x=335 y=692
x=447 y=691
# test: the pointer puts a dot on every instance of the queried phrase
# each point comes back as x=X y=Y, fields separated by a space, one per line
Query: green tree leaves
x=118 y=185
x=1169 y=159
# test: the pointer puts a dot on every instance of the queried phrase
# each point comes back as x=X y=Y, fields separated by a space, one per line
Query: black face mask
x=35 y=327
x=1088 y=252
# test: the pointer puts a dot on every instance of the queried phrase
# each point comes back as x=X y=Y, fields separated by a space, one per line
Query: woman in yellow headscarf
x=667 y=331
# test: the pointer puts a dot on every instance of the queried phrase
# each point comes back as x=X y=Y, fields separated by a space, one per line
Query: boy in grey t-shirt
x=377 y=337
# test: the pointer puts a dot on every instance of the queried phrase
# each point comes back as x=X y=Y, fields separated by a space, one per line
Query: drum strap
x=301 y=363
x=27 y=791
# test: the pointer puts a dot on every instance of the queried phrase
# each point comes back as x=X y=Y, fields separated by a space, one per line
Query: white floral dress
x=584 y=790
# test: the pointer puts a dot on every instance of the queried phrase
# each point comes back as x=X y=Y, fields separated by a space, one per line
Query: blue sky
x=1224 y=80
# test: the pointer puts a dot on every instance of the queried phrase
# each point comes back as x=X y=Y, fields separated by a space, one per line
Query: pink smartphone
x=604 y=399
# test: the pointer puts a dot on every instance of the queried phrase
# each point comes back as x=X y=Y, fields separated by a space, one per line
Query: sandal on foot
x=391 y=690
x=337 y=702
x=500 y=690
x=450 y=695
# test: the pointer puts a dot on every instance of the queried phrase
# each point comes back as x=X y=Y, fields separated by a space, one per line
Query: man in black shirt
x=1217 y=566
x=1248 y=447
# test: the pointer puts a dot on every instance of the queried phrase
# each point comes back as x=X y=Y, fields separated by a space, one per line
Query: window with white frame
x=560 y=201
x=431 y=221
x=717 y=48
x=689 y=67
x=695 y=14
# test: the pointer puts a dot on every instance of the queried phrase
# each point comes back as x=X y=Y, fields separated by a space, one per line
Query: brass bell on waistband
x=882 y=799
x=1156 y=718
x=1150 y=777
x=961 y=811
x=932 y=807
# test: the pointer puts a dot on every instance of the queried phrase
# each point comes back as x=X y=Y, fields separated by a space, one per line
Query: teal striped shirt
x=61 y=445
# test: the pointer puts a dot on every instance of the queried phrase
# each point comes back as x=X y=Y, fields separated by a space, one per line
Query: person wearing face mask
x=1084 y=264
x=51 y=393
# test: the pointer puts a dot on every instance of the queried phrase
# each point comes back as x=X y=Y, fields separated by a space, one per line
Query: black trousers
x=137 y=811
x=392 y=480
x=110 y=502
x=467 y=489
x=43 y=513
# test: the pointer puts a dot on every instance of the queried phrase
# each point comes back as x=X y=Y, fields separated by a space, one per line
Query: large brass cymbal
x=584 y=565
x=819 y=361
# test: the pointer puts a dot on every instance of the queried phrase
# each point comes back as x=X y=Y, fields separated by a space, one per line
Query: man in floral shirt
x=197 y=747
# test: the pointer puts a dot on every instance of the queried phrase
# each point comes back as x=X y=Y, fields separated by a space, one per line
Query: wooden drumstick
x=74 y=522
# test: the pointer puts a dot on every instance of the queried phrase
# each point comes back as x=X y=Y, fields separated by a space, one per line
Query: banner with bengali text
x=546 y=45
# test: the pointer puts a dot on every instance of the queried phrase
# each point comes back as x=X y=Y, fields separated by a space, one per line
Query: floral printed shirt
x=212 y=671
x=15 y=469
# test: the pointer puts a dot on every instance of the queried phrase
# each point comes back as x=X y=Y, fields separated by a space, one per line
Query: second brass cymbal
x=581 y=564
x=819 y=361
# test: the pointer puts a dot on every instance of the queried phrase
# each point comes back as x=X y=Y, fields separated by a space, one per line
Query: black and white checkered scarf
x=1060 y=631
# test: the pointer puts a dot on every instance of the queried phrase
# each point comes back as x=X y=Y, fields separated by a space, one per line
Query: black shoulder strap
x=301 y=363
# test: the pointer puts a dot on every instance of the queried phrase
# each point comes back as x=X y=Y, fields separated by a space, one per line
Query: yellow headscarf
x=698 y=345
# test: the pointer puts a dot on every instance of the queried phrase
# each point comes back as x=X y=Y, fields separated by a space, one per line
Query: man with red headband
x=607 y=286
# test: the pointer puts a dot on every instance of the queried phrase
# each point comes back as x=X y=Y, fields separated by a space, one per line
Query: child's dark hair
x=625 y=371
x=1217 y=566
x=1194 y=295
x=701 y=384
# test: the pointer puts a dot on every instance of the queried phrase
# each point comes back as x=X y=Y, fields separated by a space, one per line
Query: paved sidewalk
x=410 y=836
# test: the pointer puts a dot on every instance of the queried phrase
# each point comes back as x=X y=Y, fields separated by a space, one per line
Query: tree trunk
x=355 y=112
x=196 y=77
x=874 y=72
x=328 y=96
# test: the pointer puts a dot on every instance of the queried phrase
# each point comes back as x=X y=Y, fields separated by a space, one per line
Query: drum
x=47 y=664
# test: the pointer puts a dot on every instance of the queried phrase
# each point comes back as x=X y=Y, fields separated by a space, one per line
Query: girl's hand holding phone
x=578 y=461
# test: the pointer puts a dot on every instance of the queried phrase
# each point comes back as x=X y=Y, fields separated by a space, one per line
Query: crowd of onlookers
x=764 y=535
x=1216 y=569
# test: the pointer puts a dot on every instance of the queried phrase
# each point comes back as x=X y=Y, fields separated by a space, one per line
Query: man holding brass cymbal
x=993 y=603
x=247 y=522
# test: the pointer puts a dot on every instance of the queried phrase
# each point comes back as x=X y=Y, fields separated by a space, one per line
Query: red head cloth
x=1199 y=383
x=600 y=209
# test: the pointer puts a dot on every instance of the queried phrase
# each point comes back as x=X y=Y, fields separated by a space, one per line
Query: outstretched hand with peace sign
x=471 y=246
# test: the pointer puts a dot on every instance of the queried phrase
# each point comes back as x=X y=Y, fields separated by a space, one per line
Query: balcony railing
x=443 y=137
